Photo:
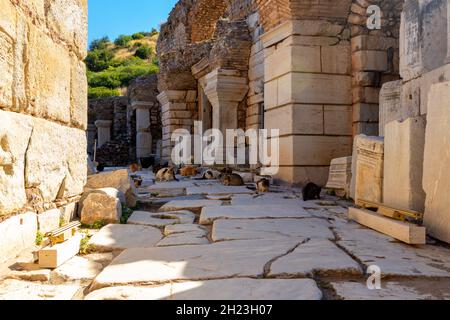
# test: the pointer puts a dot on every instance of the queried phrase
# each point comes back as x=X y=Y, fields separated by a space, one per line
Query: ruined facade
x=126 y=128
x=43 y=114
x=312 y=70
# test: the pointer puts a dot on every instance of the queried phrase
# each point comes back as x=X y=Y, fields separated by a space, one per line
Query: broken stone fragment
x=100 y=205
x=119 y=180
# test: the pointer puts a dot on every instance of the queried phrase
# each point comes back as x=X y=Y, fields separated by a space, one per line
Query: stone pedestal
x=308 y=97
x=367 y=169
x=403 y=164
x=103 y=132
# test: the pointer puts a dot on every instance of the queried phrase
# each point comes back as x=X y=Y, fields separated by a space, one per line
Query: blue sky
x=112 y=18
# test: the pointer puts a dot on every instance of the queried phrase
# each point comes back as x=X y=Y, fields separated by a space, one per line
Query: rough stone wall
x=375 y=60
x=255 y=98
x=43 y=104
x=116 y=151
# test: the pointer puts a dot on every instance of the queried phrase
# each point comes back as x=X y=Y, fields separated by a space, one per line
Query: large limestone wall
x=43 y=104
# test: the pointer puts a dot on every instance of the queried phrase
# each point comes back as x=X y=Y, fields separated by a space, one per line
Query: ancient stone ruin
x=126 y=128
x=363 y=111
x=315 y=68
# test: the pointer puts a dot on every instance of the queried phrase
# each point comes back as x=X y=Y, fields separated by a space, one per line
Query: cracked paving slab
x=22 y=290
x=183 y=239
x=210 y=214
x=203 y=262
x=217 y=189
x=226 y=230
x=116 y=237
x=190 y=205
x=77 y=269
x=227 y=289
x=393 y=290
x=160 y=220
x=317 y=256
x=394 y=258
x=184 y=228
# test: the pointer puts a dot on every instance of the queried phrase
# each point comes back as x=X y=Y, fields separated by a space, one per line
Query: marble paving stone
x=183 y=239
x=228 y=289
x=394 y=258
x=120 y=237
x=77 y=269
x=389 y=291
x=217 y=189
x=23 y=291
x=159 y=220
x=203 y=262
x=190 y=205
x=210 y=214
x=184 y=228
x=315 y=256
x=225 y=230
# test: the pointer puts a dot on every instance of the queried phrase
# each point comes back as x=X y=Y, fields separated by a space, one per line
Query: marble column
x=144 y=139
x=103 y=132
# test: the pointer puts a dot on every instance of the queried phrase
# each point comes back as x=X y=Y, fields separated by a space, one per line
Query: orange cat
x=135 y=168
x=188 y=171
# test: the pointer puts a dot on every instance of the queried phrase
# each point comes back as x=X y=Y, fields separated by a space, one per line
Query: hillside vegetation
x=113 y=65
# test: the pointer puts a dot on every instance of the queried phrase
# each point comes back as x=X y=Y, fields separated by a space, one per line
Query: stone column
x=225 y=89
x=308 y=97
x=91 y=130
x=175 y=115
x=143 y=135
x=103 y=132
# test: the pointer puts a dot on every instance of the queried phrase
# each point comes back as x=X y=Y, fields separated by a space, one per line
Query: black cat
x=311 y=192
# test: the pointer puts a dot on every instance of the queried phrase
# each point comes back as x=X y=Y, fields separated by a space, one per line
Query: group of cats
x=166 y=173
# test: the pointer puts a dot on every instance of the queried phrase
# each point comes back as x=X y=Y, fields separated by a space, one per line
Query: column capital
x=103 y=123
x=142 y=105
x=169 y=96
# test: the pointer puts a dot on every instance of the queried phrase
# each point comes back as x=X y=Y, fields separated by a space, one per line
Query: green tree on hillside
x=123 y=41
x=100 y=44
x=99 y=60
x=138 y=36
x=144 y=52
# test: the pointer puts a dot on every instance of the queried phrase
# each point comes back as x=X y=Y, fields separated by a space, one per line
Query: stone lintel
x=300 y=27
